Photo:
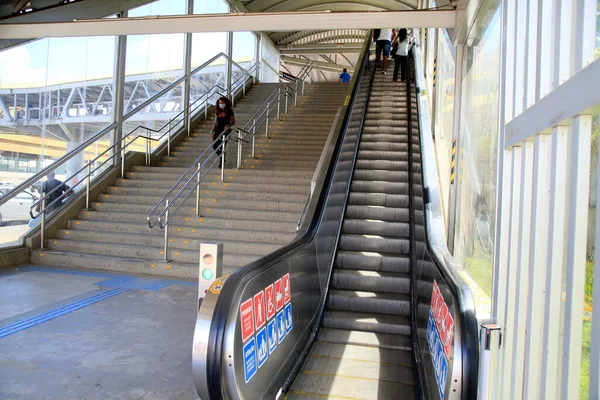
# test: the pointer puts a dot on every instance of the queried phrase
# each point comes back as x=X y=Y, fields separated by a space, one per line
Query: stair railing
x=46 y=203
x=191 y=180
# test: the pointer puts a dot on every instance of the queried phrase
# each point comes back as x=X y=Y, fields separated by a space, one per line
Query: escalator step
x=354 y=260
x=379 y=186
x=370 y=281
x=361 y=353
x=374 y=244
x=384 y=146
x=369 y=339
x=369 y=302
x=379 y=199
x=380 y=175
x=372 y=227
x=382 y=155
x=392 y=324
x=387 y=214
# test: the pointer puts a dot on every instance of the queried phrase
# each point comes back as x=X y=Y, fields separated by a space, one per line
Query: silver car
x=17 y=208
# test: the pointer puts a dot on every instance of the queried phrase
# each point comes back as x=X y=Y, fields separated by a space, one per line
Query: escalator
x=363 y=346
x=367 y=302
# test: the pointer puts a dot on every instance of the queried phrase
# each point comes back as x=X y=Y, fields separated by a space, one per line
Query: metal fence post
x=206 y=107
x=267 y=120
x=123 y=160
x=169 y=140
x=87 y=187
x=489 y=346
x=166 y=247
x=198 y=190
x=253 y=138
x=278 y=104
x=240 y=149
x=286 y=101
x=43 y=223
x=223 y=157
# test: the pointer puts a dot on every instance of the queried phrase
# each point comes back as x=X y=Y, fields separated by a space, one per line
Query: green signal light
x=207 y=274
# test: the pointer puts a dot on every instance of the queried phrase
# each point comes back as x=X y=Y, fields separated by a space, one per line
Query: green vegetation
x=481 y=270
x=589 y=280
x=585 y=360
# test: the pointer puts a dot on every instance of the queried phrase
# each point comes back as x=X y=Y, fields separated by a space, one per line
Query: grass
x=587 y=334
x=481 y=270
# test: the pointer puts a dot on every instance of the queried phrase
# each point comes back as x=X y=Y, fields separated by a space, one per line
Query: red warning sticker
x=259 y=309
x=246 y=319
x=287 y=290
x=270 y=298
x=278 y=294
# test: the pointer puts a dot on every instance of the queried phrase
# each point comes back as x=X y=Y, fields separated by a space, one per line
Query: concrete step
x=183 y=233
x=165 y=174
x=209 y=192
x=145 y=252
x=157 y=240
x=120 y=264
x=193 y=221
x=233 y=171
x=216 y=209
x=225 y=186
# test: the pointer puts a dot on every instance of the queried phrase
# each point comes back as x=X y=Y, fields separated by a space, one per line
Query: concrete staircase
x=253 y=212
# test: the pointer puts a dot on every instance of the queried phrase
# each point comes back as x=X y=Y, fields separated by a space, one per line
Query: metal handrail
x=62 y=160
x=123 y=145
x=203 y=164
x=92 y=167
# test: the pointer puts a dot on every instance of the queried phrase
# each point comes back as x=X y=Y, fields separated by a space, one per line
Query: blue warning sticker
x=262 y=346
x=249 y=360
x=272 y=334
x=438 y=357
x=288 y=318
x=280 y=318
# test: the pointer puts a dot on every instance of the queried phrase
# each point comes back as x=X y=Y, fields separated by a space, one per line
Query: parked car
x=17 y=208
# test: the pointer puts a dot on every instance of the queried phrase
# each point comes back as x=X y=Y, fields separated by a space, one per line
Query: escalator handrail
x=436 y=243
x=236 y=280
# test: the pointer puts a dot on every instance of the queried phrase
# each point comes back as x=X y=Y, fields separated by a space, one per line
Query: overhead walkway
x=367 y=304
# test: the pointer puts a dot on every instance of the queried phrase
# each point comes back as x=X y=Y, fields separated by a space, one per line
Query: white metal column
x=187 y=67
x=229 y=56
x=119 y=93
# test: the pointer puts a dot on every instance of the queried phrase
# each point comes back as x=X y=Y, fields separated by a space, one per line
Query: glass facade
x=476 y=184
x=269 y=71
x=444 y=115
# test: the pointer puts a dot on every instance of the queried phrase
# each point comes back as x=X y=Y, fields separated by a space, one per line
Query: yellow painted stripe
x=328 y=396
x=357 y=360
x=453 y=163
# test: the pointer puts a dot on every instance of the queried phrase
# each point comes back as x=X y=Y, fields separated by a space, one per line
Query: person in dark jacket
x=224 y=120
x=55 y=190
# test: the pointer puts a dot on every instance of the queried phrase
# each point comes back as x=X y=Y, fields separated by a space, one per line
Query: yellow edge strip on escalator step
x=362 y=378
x=303 y=393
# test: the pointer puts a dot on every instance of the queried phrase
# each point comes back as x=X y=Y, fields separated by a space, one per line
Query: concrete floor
x=133 y=343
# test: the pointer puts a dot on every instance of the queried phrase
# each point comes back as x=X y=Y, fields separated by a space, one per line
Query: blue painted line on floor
x=58 y=312
x=118 y=281
x=132 y=282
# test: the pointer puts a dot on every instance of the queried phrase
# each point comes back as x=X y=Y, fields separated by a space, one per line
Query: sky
x=61 y=60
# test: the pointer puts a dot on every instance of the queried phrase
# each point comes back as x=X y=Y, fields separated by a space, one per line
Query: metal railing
x=116 y=154
x=168 y=207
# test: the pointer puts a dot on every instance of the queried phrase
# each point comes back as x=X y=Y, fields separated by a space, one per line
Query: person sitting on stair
x=224 y=120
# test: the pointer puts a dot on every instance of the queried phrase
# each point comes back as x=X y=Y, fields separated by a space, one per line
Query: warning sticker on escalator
x=442 y=317
x=438 y=357
x=287 y=290
x=259 y=309
x=280 y=326
x=270 y=298
x=246 y=319
x=288 y=318
x=272 y=334
x=249 y=360
x=262 y=346
x=278 y=294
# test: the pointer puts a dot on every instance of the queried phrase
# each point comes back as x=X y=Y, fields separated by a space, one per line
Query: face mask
x=222 y=106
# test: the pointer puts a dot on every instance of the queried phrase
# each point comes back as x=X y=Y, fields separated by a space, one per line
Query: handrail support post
x=43 y=223
x=267 y=121
x=87 y=187
x=166 y=228
x=279 y=104
x=198 y=190
x=223 y=157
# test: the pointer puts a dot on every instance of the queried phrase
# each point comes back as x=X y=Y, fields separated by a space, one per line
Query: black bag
x=376 y=34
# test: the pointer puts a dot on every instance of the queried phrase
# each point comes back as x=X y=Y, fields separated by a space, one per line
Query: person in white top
x=401 y=54
x=384 y=38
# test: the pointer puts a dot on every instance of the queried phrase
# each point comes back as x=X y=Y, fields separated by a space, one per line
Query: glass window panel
x=444 y=115
x=269 y=70
x=476 y=186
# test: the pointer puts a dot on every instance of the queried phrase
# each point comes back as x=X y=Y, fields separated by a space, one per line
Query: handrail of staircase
x=92 y=168
x=40 y=203
x=62 y=160
x=208 y=158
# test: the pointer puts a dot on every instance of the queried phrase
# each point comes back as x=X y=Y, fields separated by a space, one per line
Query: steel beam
x=320 y=48
x=284 y=21
x=323 y=66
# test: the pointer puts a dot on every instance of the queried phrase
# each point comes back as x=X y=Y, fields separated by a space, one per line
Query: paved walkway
x=68 y=334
